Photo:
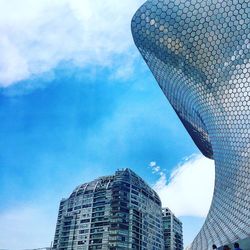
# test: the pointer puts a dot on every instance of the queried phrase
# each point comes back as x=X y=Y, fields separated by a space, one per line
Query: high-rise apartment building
x=113 y=212
x=172 y=230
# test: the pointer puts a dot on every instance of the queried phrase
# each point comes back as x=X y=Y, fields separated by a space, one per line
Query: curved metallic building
x=198 y=51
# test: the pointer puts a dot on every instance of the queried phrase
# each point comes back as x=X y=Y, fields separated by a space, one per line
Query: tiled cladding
x=114 y=212
x=199 y=54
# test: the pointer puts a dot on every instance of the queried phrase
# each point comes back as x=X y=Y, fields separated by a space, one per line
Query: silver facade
x=199 y=54
x=116 y=212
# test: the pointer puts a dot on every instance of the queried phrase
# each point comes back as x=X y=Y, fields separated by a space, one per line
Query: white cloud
x=155 y=168
x=152 y=164
x=27 y=227
x=37 y=35
x=189 y=190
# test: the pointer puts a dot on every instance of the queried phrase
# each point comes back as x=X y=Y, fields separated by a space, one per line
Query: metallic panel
x=198 y=52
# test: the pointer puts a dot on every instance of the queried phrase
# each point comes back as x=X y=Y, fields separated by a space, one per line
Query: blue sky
x=72 y=112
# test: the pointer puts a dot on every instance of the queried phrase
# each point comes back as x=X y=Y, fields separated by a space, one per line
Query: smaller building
x=172 y=230
x=41 y=248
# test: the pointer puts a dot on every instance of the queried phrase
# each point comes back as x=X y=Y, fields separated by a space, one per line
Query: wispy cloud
x=155 y=168
x=189 y=190
x=37 y=35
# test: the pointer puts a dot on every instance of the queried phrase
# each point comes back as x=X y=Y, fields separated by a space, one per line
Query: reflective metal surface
x=199 y=54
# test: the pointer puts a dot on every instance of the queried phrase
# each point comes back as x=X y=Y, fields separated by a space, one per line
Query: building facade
x=199 y=53
x=113 y=212
x=172 y=230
